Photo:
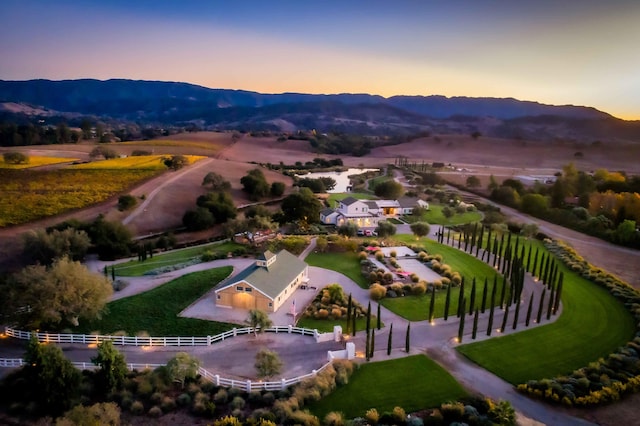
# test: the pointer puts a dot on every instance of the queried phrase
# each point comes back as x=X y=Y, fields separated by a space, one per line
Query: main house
x=266 y=284
x=367 y=213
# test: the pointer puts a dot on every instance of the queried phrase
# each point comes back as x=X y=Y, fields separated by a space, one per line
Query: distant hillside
x=175 y=103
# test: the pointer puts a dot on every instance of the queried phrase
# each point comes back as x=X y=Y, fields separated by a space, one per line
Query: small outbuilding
x=266 y=284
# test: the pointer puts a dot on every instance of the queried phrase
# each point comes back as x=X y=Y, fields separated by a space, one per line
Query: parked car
x=360 y=232
x=368 y=233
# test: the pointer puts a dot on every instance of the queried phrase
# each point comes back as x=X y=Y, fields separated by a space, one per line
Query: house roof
x=407 y=202
x=327 y=212
x=271 y=280
x=387 y=203
x=266 y=255
x=349 y=200
x=371 y=204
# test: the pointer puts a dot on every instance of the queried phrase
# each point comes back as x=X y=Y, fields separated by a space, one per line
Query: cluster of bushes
x=382 y=284
x=471 y=412
x=294 y=244
x=607 y=379
x=331 y=303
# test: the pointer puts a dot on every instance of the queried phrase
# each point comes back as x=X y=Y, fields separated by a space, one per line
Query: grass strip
x=413 y=383
x=137 y=268
x=156 y=311
x=345 y=263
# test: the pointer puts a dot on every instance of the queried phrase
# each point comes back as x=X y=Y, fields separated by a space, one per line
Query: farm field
x=413 y=383
x=28 y=195
x=145 y=162
x=156 y=311
x=36 y=161
x=136 y=268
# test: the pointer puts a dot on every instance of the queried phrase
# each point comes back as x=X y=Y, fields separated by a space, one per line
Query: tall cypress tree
x=535 y=262
x=353 y=323
x=551 y=300
x=480 y=241
x=349 y=306
x=475 y=324
x=529 y=309
x=460 y=298
x=389 y=339
x=369 y=317
x=407 y=339
x=472 y=297
x=378 y=320
x=367 y=346
x=505 y=318
x=113 y=273
x=373 y=343
x=448 y=235
x=528 y=265
x=462 y=317
x=432 y=304
x=490 y=324
x=503 y=293
x=484 y=295
x=541 y=306
x=516 y=314
x=447 y=302
x=556 y=303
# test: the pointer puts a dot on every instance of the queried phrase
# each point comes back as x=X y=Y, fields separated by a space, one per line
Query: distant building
x=266 y=284
x=367 y=213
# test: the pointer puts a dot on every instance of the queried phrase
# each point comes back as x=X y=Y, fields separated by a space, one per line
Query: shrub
x=377 y=291
x=155 y=412
x=399 y=414
x=336 y=313
x=393 y=253
x=126 y=202
x=362 y=255
x=221 y=396
x=237 y=402
x=322 y=314
x=137 y=408
x=379 y=255
x=372 y=416
x=184 y=399
x=334 y=418
x=415 y=278
x=168 y=404
x=419 y=289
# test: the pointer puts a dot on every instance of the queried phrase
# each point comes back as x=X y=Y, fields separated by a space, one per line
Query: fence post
x=248 y=384
x=208 y=340
x=217 y=379
x=283 y=386
x=290 y=328
x=235 y=332
x=314 y=372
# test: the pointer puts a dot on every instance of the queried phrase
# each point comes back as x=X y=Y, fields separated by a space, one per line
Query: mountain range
x=173 y=103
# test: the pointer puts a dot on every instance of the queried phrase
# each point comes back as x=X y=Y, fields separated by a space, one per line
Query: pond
x=341 y=178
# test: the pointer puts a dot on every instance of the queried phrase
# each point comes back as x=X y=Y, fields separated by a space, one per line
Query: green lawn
x=345 y=263
x=378 y=180
x=334 y=198
x=136 y=268
x=326 y=325
x=416 y=308
x=156 y=311
x=413 y=383
x=593 y=324
x=434 y=216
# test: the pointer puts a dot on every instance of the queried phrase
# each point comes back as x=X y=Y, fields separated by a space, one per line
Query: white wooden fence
x=87 y=339
x=245 y=385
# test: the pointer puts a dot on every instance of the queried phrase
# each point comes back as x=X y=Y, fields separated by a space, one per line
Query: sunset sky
x=580 y=52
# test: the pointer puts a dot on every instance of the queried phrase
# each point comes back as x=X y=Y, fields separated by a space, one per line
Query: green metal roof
x=274 y=279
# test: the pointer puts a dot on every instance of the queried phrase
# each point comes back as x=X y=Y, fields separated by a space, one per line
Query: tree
x=54 y=378
x=216 y=182
x=198 y=219
x=43 y=247
x=62 y=293
x=348 y=229
x=182 y=367
x=390 y=339
x=14 y=157
x=385 y=229
x=277 y=189
x=493 y=184
x=111 y=239
x=407 y=339
x=448 y=212
x=255 y=184
x=389 y=189
x=625 y=231
x=126 y=202
x=473 y=182
x=534 y=204
x=301 y=206
x=103 y=151
x=420 y=229
x=113 y=368
x=432 y=304
x=268 y=363
x=258 y=320
x=175 y=162
x=220 y=204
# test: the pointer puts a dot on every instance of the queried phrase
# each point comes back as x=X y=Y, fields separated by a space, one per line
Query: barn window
x=219 y=297
x=248 y=289
x=239 y=288
x=270 y=305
